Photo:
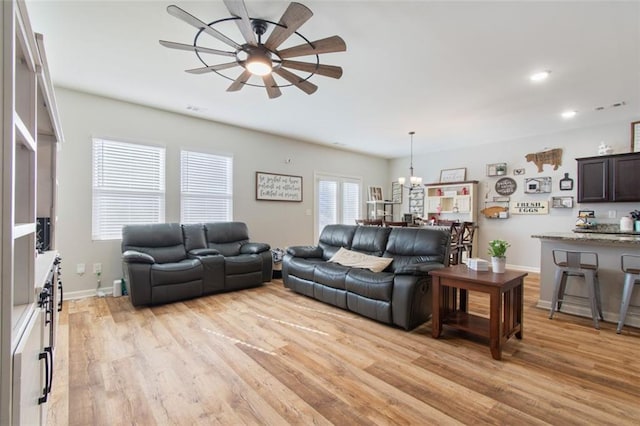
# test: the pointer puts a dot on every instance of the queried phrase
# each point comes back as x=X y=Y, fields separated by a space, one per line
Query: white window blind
x=206 y=187
x=338 y=200
x=128 y=186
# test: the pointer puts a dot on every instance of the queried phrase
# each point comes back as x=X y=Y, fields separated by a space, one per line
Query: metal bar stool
x=630 y=265
x=577 y=264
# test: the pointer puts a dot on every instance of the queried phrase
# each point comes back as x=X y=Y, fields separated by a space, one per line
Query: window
x=206 y=187
x=128 y=186
x=338 y=200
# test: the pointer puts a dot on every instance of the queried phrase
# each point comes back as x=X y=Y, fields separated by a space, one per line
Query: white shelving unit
x=30 y=127
x=380 y=210
x=452 y=201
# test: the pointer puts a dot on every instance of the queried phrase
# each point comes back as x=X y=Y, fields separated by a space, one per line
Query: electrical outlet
x=80 y=268
x=97 y=268
x=612 y=214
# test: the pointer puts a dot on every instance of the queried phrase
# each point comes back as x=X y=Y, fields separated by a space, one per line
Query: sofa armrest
x=203 y=252
x=419 y=268
x=305 y=251
x=133 y=256
x=254 y=248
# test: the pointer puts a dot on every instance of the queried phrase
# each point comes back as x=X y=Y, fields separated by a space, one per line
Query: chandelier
x=414 y=181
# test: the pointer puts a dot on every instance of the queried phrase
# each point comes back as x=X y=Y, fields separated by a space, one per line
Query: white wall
x=278 y=223
x=517 y=229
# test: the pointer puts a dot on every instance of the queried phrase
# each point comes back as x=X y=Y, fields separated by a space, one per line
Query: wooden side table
x=505 y=304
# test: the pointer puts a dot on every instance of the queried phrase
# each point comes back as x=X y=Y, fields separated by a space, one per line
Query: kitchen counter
x=592 y=237
x=609 y=248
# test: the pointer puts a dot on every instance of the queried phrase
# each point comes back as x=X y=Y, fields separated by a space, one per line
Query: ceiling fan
x=258 y=58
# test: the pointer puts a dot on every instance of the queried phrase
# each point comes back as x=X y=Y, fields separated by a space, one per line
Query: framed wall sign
x=396 y=192
x=453 y=175
x=276 y=187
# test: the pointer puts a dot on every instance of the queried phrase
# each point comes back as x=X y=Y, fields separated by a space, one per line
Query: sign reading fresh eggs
x=530 y=207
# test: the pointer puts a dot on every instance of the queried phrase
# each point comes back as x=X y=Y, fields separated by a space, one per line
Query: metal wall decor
x=506 y=186
x=537 y=185
x=566 y=183
x=496 y=169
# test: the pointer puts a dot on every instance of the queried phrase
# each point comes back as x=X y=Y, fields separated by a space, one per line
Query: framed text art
x=453 y=175
x=396 y=192
x=276 y=187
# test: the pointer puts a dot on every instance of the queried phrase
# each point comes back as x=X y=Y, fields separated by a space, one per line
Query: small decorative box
x=478 y=264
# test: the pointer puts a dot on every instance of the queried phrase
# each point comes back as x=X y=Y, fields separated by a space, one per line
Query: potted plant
x=497 y=251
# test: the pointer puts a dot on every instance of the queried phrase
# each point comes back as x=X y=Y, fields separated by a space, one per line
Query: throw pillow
x=360 y=260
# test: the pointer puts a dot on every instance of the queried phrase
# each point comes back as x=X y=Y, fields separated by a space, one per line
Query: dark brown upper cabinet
x=609 y=178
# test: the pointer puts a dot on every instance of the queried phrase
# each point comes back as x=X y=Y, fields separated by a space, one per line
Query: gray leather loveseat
x=166 y=262
x=399 y=295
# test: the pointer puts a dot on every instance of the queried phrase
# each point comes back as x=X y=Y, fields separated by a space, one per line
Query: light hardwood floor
x=271 y=356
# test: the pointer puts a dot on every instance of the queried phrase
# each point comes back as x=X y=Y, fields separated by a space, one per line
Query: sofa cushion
x=301 y=267
x=243 y=264
x=370 y=239
x=227 y=237
x=333 y=237
x=372 y=285
x=409 y=246
x=330 y=274
x=360 y=260
x=162 y=241
x=178 y=272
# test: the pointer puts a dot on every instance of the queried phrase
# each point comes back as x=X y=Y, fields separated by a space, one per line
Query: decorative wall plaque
x=506 y=186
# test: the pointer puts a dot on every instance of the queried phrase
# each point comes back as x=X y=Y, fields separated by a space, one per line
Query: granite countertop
x=605 y=228
x=591 y=237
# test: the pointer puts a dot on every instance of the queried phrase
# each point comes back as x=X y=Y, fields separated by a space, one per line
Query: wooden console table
x=505 y=311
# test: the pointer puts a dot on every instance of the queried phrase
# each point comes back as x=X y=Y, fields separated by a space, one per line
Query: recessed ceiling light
x=539 y=76
x=569 y=114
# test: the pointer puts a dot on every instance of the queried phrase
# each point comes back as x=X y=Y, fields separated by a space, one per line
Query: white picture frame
x=375 y=193
x=453 y=175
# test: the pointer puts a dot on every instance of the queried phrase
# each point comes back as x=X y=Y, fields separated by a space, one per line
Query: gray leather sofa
x=166 y=262
x=399 y=295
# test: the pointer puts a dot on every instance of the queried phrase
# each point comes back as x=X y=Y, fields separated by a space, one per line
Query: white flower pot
x=498 y=264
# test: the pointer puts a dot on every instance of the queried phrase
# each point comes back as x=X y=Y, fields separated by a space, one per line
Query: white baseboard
x=524 y=268
x=83 y=294
x=584 y=311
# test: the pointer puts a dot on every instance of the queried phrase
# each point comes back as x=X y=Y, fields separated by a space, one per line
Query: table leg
x=436 y=314
x=519 y=307
x=495 y=324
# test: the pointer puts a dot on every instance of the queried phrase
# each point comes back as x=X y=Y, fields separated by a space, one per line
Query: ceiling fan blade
x=326 y=70
x=239 y=82
x=195 y=22
x=192 y=48
x=270 y=84
x=326 y=45
x=292 y=19
x=303 y=85
x=238 y=8
x=218 y=67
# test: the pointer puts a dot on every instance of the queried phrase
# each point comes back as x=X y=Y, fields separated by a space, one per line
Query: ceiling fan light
x=259 y=63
